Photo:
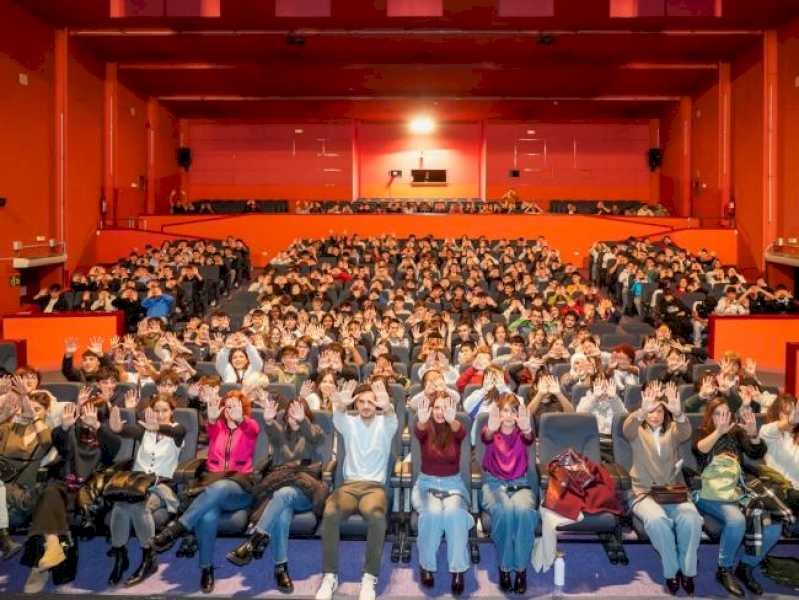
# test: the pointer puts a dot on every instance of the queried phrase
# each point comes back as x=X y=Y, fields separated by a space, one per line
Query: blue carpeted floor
x=588 y=573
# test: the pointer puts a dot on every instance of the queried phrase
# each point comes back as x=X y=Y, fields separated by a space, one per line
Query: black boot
x=505 y=583
x=148 y=566
x=672 y=586
x=283 y=579
x=457 y=584
x=121 y=564
x=169 y=534
x=7 y=545
x=687 y=583
x=747 y=577
x=727 y=580
x=207 y=580
x=427 y=578
x=242 y=555
x=520 y=584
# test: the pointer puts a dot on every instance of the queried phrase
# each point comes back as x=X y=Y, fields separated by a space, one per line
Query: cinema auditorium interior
x=399 y=298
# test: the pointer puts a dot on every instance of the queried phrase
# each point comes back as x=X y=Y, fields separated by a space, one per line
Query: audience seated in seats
x=439 y=494
x=720 y=449
x=779 y=433
x=448 y=322
x=228 y=483
x=655 y=432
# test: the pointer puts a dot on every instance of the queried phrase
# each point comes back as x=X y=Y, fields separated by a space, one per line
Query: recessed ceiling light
x=298 y=131
x=531 y=132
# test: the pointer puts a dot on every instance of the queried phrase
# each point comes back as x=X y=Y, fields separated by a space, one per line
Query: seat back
x=126 y=446
x=622 y=449
x=64 y=392
x=558 y=431
x=465 y=455
x=190 y=420
x=480 y=448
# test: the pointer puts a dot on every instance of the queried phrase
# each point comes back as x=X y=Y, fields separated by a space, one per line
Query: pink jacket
x=231 y=450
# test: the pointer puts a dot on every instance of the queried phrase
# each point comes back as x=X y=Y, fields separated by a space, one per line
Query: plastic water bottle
x=560 y=574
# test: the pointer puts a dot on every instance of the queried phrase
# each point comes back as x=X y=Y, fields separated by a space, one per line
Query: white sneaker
x=328 y=587
x=368 y=584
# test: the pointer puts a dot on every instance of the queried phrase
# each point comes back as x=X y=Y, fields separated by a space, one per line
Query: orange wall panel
x=706 y=197
x=85 y=142
x=26 y=143
x=761 y=337
x=167 y=172
x=569 y=160
x=45 y=334
x=747 y=154
x=267 y=235
x=672 y=142
x=131 y=147
x=788 y=200
x=267 y=160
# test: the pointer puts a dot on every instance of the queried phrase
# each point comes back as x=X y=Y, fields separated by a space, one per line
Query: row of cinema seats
x=589 y=207
x=556 y=432
x=241 y=206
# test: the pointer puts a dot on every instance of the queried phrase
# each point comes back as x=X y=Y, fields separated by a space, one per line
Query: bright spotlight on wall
x=422 y=125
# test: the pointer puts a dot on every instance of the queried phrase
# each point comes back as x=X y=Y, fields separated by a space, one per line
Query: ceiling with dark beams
x=468 y=64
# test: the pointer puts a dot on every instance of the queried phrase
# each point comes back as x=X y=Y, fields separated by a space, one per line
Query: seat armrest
x=329 y=472
x=620 y=475
x=406 y=438
x=543 y=477
x=189 y=470
x=402 y=475
x=476 y=476
x=262 y=465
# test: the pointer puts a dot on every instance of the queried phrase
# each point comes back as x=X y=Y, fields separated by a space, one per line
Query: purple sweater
x=506 y=455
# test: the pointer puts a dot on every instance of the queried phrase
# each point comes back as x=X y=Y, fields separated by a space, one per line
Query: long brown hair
x=778 y=407
x=442 y=433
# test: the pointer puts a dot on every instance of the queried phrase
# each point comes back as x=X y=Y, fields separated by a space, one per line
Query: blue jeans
x=447 y=516
x=731 y=548
x=675 y=531
x=203 y=515
x=276 y=519
x=513 y=521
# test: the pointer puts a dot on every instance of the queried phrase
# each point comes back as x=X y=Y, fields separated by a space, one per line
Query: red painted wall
x=706 y=197
x=788 y=199
x=263 y=160
x=672 y=141
x=454 y=147
x=26 y=143
x=569 y=160
x=84 y=151
x=167 y=172
x=747 y=154
x=131 y=147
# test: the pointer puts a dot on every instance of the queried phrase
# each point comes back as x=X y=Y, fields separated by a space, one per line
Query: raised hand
x=494 y=419
x=115 y=341
x=96 y=345
x=213 y=403
x=234 y=410
x=89 y=416
x=150 y=422
x=673 y=403
x=450 y=410
x=306 y=389
x=114 y=418
x=131 y=399
x=297 y=411
x=381 y=395
x=423 y=410
x=70 y=346
x=749 y=424
x=70 y=416
x=84 y=395
x=723 y=422
x=523 y=419
x=750 y=367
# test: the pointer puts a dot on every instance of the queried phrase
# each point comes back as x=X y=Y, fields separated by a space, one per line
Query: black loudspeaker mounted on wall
x=183 y=156
x=514 y=173
x=2 y=202
x=655 y=158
